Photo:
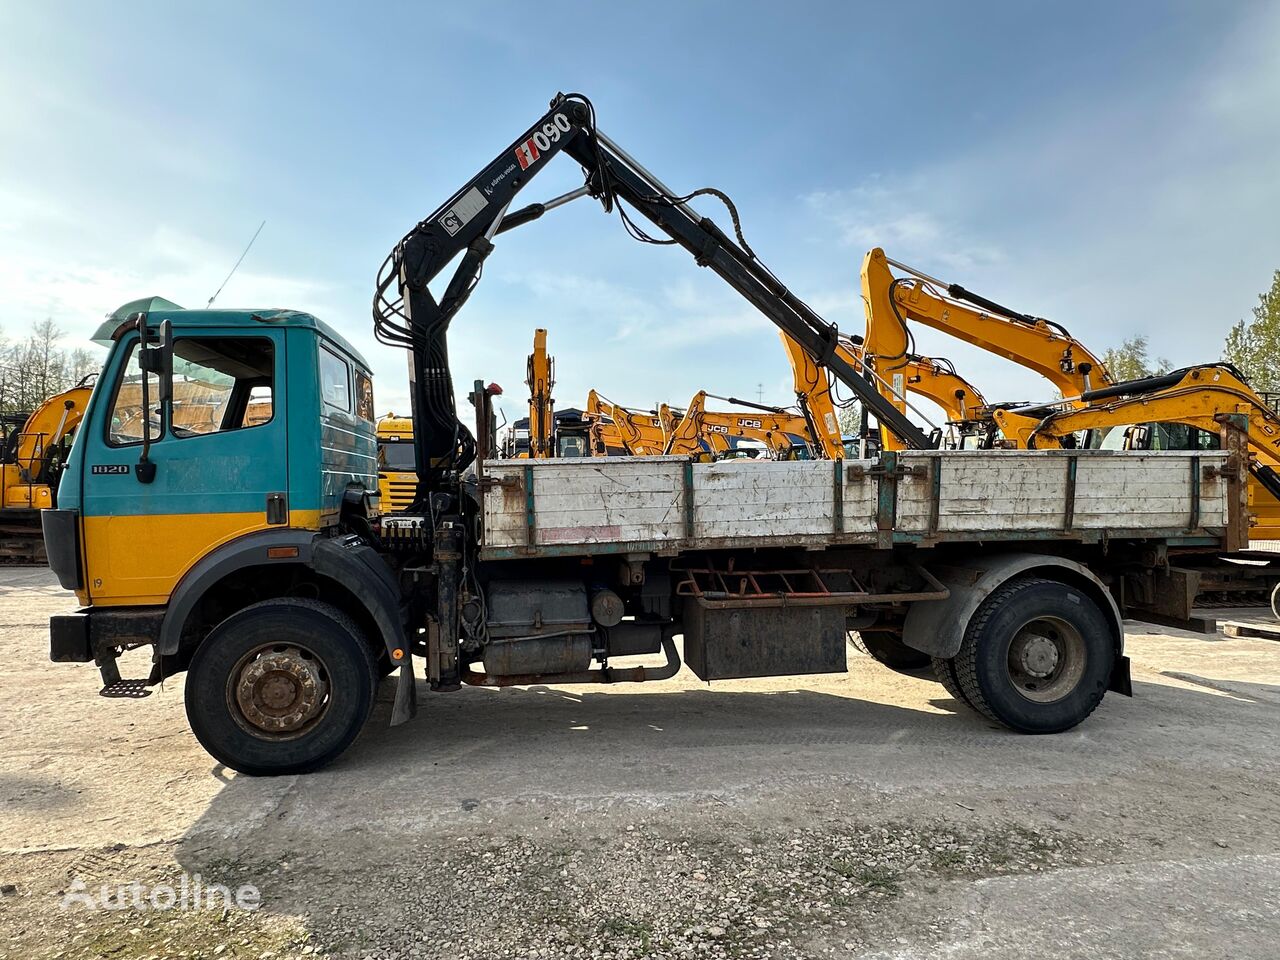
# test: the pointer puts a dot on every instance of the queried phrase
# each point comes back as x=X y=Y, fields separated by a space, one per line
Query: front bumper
x=69 y=638
x=99 y=633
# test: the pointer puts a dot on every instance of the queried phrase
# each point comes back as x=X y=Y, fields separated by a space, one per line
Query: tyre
x=1275 y=601
x=282 y=686
x=945 y=671
x=1036 y=656
x=889 y=649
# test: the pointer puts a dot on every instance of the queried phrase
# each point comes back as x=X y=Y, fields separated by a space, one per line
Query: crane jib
x=475 y=213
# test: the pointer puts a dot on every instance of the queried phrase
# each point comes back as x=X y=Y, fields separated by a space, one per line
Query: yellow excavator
x=32 y=461
x=1204 y=398
x=1079 y=375
x=616 y=429
x=708 y=434
x=934 y=379
x=542 y=413
x=1032 y=342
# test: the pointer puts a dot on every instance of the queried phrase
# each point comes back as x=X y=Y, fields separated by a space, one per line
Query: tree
x=36 y=368
x=851 y=419
x=1130 y=361
x=1254 y=345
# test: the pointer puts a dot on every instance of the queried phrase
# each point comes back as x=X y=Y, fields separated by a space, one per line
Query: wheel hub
x=1039 y=656
x=281 y=691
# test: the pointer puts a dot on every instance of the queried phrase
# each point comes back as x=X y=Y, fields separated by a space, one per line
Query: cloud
x=894 y=213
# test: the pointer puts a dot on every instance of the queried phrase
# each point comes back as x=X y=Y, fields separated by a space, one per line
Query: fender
x=937 y=627
x=358 y=567
x=345 y=560
x=247 y=551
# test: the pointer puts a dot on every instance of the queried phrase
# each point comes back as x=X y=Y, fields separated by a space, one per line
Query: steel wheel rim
x=279 y=691
x=1047 y=659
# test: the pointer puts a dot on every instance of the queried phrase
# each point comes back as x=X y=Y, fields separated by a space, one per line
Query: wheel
x=889 y=649
x=945 y=671
x=1036 y=656
x=280 y=687
x=1275 y=602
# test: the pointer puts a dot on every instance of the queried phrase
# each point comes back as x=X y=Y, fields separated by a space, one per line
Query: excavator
x=934 y=379
x=32 y=461
x=1092 y=400
x=704 y=433
x=1032 y=342
x=616 y=429
x=541 y=381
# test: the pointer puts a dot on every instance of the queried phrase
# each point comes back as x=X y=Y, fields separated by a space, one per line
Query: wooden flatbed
x=669 y=505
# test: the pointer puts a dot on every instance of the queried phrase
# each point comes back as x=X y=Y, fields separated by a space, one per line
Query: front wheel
x=282 y=686
x=1036 y=656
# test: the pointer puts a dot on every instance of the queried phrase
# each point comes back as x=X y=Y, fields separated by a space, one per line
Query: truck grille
x=400 y=495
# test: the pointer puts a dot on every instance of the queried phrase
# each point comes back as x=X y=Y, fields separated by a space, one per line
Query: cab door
x=220 y=455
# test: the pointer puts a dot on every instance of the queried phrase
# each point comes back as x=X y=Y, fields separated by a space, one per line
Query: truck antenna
x=237 y=266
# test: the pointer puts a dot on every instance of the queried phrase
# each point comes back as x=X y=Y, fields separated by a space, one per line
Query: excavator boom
x=541 y=381
x=701 y=429
x=1037 y=344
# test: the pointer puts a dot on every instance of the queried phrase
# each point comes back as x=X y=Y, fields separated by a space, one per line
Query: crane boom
x=465 y=225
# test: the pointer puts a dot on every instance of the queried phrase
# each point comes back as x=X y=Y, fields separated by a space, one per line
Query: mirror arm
x=144 y=469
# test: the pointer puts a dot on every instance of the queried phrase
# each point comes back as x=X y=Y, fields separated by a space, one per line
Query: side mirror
x=153 y=359
x=158 y=358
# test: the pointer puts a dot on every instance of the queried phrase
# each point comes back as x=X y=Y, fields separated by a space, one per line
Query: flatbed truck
x=254 y=555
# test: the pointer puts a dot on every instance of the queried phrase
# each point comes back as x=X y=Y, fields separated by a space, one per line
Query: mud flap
x=405 y=707
x=1121 y=682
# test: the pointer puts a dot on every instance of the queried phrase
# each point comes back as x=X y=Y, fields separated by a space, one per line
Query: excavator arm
x=46 y=428
x=701 y=429
x=613 y=425
x=1204 y=397
x=541 y=381
x=933 y=379
x=409 y=314
x=1037 y=344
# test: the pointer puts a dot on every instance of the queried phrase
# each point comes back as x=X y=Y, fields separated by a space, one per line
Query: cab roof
x=158 y=308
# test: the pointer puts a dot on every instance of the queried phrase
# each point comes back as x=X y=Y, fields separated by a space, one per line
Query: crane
x=408 y=313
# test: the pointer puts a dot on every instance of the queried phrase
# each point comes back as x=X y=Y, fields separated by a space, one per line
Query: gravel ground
x=855 y=815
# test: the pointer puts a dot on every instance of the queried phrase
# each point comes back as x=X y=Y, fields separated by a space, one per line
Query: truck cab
x=221 y=458
x=397 y=475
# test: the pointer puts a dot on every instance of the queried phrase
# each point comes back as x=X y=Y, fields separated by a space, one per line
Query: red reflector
x=281 y=553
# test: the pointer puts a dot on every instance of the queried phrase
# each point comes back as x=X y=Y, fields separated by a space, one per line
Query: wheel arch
x=937 y=627
x=345 y=572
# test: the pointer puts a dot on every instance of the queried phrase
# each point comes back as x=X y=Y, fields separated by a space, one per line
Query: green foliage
x=1130 y=360
x=1254 y=345
x=851 y=419
x=34 y=369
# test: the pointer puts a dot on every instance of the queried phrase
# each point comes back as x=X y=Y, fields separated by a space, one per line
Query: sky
x=1112 y=166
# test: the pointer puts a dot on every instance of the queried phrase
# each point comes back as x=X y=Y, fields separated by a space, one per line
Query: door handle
x=277 y=508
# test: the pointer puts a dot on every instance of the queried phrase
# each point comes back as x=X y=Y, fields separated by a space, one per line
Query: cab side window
x=221 y=384
x=125 y=425
x=335 y=380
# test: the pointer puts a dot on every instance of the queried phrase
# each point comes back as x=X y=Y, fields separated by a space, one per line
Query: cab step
x=126 y=690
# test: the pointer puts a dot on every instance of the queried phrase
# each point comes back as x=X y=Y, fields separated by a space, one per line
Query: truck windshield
x=395 y=455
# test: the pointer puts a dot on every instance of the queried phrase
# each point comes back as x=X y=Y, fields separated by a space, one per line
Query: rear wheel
x=889 y=649
x=282 y=686
x=945 y=671
x=1036 y=656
